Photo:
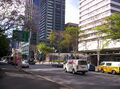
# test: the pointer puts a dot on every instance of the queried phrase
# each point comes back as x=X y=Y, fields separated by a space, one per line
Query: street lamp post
x=98 y=51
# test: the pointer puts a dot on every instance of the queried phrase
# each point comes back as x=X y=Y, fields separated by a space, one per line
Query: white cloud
x=72 y=11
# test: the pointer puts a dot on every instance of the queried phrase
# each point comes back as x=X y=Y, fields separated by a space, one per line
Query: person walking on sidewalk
x=18 y=60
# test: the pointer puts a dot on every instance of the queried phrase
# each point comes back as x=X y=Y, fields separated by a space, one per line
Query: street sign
x=22 y=36
x=25 y=36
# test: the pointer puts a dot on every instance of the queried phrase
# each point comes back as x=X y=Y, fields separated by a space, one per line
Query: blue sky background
x=72 y=11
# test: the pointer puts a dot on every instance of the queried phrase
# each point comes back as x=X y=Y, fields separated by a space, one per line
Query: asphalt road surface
x=92 y=80
x=11 y=78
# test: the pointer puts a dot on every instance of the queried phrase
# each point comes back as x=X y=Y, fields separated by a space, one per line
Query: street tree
x=72 y=34
x=52 y=38
x=65 y=42
x=55 y=38
x=111 y=27
x=42 y=47
x=11 y=15
x=4 y=45
x=108 y=31
x=43 y=50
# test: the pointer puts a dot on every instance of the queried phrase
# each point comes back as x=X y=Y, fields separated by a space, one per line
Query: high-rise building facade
x=52 y=18
x=41 y=18
x=32 y=19
x=92 y=13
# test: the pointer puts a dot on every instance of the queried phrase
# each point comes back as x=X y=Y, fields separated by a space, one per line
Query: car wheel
x=113 y=72
x=98 y=70
x=83 y=73
x=73 y=71
x=65 y=70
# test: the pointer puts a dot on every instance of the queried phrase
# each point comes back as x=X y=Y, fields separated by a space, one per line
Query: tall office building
x=46 y=15
x=52 y=18
x=41 y=18
x=92 y=13
x=32 y=19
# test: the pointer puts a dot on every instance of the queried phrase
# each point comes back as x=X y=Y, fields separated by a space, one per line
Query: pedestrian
x=18 y=60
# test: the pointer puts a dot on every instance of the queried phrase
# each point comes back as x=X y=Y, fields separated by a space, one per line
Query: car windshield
x=82 y=62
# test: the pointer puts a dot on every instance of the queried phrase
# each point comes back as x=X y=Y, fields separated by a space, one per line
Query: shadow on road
x=2 y=73
x=22 y=80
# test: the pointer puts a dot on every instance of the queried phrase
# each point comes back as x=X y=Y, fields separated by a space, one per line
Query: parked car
x=58 y=65
x=31 y=61
x=25 y=64
x=91 y=67
x=8 y=59
x=76 y=65
x=109 y=67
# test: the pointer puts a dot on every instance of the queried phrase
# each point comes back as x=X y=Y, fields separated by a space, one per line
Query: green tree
x=66 y=40
x=52 y=39
x=42 y=47
x=109 y=30
x=72 y=34
x=4 y=45
x=55 y=38
x=64 y=44
x=111 y=27
x=43 y=50
x=10 y=15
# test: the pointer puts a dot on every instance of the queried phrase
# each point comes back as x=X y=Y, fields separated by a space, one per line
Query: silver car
x=25 y=64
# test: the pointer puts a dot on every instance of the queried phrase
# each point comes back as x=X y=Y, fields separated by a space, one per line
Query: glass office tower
x=52 y=18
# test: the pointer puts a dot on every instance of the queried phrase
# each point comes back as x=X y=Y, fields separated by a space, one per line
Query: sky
x=72 y=11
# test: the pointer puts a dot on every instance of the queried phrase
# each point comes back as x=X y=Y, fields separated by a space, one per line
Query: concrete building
x=92 y=13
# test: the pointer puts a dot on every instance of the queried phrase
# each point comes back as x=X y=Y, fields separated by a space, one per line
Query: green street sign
x=22 y=36
x=25 y=36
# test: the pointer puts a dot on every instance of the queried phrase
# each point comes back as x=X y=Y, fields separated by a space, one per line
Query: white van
x=74 y=66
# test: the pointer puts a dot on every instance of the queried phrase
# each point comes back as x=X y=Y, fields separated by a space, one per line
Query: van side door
x=108 y=67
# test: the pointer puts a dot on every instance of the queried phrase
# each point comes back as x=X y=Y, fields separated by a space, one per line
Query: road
x=11 y=78
x=92 y=80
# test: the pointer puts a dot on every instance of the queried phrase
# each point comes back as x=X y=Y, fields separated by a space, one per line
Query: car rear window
x=82 y=62
x=102 y=64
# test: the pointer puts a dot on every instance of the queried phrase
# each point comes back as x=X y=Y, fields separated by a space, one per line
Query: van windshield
x=82 y=62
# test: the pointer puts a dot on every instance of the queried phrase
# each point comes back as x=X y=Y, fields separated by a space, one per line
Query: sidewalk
x=43 y=63
x=8 y=68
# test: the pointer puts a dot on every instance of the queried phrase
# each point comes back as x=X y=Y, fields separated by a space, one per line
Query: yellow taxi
x=109 y=67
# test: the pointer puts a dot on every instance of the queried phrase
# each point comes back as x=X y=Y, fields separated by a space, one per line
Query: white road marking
x=45 y=69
